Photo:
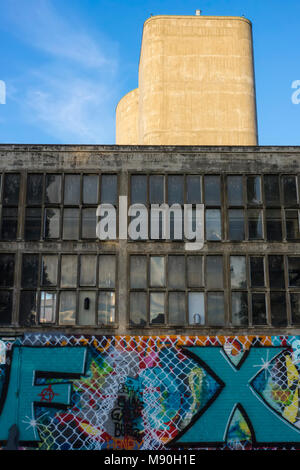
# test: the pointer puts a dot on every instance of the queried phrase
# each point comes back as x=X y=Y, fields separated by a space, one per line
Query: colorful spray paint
x=100 y=392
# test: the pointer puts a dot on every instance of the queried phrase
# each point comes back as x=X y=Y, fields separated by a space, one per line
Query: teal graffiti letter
x=22 y=393
x=210 y=425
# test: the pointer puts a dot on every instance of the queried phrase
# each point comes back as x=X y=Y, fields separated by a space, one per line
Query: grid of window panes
x=249 y=298
x=9 y=199
x=189 y=290
x=265 y=290
x=182 y=189
x=63 y=206
x=262 y=207
x=68 y=289
x=258 y=207
x=176 y=290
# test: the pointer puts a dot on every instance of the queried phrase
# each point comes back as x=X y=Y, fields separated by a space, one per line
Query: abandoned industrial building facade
x=156 y=342
x=56 y=273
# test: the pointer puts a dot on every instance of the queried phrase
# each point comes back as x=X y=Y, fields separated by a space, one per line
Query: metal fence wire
x=142 y=392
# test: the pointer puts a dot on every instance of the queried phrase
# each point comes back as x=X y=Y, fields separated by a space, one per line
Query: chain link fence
x=142 y=392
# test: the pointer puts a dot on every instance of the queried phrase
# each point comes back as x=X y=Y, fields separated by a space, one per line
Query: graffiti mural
x=159 y=392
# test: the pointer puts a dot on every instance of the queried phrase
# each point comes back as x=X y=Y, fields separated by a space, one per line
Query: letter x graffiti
x=210 y=424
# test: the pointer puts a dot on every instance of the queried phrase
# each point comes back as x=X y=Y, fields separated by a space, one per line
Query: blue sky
x=66 y=64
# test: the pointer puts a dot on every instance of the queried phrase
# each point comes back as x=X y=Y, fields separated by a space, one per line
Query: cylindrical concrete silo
x=196 y=84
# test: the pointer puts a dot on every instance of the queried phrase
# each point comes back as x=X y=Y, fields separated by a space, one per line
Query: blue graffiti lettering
x=210 y=425
x=22 y=392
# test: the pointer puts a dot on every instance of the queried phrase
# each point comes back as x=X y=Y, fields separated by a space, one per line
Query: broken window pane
x=157 y=271
x=5 y=307
x=49 y=270
x=292 y=224
x=138 y=309
x=67 y=308
x=53 y=189
x=138 y=272
x=90 y=189
x=294 y=271
x=71 y=224
x=194 y=271
x=176 y=272
x=212 y=190
x=254 y=190
x=278 y=309
x=88 y=270
x=273 y=222
x=213 y=227
x=177 y=308
x=28 y=308
x=47 y=307
x=138 y=189
x=271 y=187
x=109 y=192
x=107 y=271
x=175 y=189
x=276 y=272
x=236 y=224
x=68 y=271
x=156 y=189
x=290 y=193
x=106 y=308
x=239 y=308
x=215 y=309
x=87 y=306
x=33 y=224
x=30 y=270
x=255 y=224
x=11 y=189
x=257 y=272
x=89 y=222
x=7 y=269
x=214 y=272
x=52 y=223
x=295 y=308
x=196 y=308
x=193 y=189
x=72 y=190
x=157 y=308
x=235 y=191
x=238 y=272
x=259 y=311
x=34 y=189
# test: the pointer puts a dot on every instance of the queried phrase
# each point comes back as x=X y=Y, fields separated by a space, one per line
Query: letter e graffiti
x=22 y=395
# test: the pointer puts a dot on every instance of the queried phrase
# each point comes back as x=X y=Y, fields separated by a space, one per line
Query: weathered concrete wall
x=154 y=387
x=131 y=159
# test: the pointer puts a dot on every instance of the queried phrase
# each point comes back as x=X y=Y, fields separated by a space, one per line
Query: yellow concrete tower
x=196 y=84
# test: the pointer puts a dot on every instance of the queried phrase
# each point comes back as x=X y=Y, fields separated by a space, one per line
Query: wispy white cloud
x=40 y=25
x=72 y=110
x=71 y=93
